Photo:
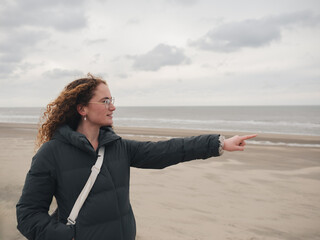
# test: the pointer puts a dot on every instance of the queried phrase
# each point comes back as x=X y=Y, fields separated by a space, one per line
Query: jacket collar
x=66 y=134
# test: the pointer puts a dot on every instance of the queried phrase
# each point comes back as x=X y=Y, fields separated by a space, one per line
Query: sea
x=296 y=120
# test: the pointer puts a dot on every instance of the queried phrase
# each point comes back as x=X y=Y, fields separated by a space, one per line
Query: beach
x=265 y=192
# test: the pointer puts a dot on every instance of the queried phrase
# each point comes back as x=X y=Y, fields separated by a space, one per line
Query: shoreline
x=165 y=133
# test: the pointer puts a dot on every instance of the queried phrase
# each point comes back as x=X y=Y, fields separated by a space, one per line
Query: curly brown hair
x=63 y=110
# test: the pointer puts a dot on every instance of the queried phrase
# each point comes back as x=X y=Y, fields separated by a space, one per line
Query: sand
x=265 y=192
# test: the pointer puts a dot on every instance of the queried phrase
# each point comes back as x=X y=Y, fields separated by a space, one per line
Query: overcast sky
x=163 y=52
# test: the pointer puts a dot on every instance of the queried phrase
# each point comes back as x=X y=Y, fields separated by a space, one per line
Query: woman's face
x=98 y=113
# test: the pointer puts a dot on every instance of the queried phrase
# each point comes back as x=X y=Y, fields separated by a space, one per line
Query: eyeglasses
x=106 y=102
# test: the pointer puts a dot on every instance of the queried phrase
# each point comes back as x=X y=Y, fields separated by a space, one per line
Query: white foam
x=282 y=144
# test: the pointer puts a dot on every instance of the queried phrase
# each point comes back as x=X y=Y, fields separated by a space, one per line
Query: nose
x=112 y=107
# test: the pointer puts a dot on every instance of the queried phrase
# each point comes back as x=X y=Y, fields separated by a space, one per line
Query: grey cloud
x=253 y=33
x=26 y=23
x=11 y=58
x=162 y=55
x=21 y=39
x=96 y=58
x=183 y=2
x=57 y=73
x=5 y=70
x=301 y=17
x=14 y=46
x=60 y=15
x=122 y=75
x=96 y=41
x=133 y=21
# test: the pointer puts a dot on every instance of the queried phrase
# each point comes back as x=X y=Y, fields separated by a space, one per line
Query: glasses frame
x=106 y=102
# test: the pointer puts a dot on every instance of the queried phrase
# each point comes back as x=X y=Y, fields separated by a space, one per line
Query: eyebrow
x=104 y=98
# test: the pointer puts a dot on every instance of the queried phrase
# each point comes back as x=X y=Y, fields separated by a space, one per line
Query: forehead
x=101 y=91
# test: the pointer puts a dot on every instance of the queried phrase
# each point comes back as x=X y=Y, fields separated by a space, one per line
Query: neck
x=91 y=132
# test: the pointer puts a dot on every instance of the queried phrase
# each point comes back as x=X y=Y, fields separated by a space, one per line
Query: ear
x=81 y=109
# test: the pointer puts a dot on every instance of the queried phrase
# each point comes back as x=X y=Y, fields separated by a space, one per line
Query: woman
x=76 y=124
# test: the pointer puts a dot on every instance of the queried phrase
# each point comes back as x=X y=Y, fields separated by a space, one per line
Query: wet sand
x=266 y=192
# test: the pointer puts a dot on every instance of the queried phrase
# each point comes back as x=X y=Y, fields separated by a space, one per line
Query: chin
x=108 y=124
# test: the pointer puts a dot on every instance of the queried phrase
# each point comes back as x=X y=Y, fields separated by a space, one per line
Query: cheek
x=101 y=114
x=97 y=114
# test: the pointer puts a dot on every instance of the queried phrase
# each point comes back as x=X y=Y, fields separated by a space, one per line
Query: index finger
x=249 y=136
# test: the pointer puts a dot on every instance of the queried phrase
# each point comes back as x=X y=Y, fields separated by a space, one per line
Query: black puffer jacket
x=62 y=166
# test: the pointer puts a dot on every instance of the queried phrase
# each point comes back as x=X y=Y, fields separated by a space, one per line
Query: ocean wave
x=19 y=119
x=219 y=121
x=269 y=143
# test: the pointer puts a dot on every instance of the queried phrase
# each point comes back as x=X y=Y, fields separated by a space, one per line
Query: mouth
x=109 y=115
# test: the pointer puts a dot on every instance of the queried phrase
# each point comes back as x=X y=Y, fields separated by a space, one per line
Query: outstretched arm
x=162 y=154
x=236 y=143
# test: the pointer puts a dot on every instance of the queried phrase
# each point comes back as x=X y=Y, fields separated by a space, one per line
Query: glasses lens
x=108 y=101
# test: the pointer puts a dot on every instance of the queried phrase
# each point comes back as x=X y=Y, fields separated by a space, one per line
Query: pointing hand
x=236 y=143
